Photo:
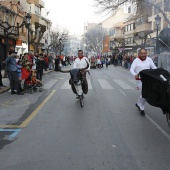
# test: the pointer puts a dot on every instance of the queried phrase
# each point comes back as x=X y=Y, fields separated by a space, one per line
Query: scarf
x=141 y=58
x=81 y=57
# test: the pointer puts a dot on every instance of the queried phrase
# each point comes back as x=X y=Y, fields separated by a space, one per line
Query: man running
x=141 y=63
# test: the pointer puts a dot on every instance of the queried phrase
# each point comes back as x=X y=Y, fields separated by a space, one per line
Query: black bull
x=155 y=90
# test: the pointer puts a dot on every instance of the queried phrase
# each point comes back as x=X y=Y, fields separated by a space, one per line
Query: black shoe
x=77 y=97
x=20 y=93
x=142 y=112
x=137 y=106
x=13 y=92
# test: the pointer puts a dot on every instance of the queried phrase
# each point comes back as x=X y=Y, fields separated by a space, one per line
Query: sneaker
x=77 y=97
x=137 y=106
x=142 y=112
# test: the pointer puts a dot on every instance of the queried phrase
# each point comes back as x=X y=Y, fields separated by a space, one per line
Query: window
x=111 y=32
x=22 y=29
x=37 y=10
x=129 y=9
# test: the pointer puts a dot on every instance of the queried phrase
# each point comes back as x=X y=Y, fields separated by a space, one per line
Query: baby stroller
x=32 y=84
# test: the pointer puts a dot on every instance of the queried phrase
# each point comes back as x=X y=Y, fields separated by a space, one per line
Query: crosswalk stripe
x=50 y=84
x=123 y=84
x=133 y=81
x=104 y=84
x=89 y=84
x=66 y=85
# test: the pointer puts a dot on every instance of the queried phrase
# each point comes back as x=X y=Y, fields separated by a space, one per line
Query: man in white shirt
x=141 y=63
x=80 y=62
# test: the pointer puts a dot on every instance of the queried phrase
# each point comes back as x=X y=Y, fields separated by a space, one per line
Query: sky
x=72 y=14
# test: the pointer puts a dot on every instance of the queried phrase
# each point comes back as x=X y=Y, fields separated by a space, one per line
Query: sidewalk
x=5 y=82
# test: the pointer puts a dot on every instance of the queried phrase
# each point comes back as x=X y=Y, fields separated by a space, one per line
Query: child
x=19 y=73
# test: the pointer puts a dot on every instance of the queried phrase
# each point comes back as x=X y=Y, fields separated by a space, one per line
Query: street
x=50 y=130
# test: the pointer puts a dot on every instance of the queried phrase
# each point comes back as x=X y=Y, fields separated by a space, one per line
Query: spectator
x=50 y=62
x=46 y=62
x=12 y=68
x=40 y=65
x=57 y=61
x=19 y=73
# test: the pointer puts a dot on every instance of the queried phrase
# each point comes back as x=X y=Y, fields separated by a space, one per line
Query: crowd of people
x=120 y=59
x=19 y=67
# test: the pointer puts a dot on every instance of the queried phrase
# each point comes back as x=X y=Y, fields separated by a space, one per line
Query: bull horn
x=82 y=69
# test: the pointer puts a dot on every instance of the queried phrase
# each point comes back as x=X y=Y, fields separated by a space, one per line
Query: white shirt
x=139 y=65
x=81 y=63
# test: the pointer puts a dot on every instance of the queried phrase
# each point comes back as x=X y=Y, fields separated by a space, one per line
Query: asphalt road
x=53 y=132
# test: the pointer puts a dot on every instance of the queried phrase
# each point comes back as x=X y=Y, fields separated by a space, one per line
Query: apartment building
x=40 y=25
x=115 y=27
x=143 y=30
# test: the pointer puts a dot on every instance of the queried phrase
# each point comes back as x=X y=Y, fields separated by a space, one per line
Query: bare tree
x=37 y=35
x=57 y=36
x=12 y=18
x=140 y=7
x=94 y=38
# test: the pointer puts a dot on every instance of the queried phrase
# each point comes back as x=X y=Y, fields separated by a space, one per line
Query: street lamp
x=60 y=45
x=28 y=18
x=157 y=23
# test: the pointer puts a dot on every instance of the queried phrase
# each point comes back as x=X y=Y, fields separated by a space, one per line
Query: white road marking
x=89 y=84
x=114 y=146
x=133 y=81
x=122 y=92
x=50 y=84
x=104 y=84
x=123 y=84
x=159 y=128
x=66 y=85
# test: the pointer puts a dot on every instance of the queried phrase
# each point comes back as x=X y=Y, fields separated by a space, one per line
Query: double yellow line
x=31 y=116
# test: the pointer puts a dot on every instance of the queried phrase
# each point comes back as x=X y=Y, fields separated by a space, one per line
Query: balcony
x=34 y=18
x=143 y=27
x=39 y=3
x=116 y=36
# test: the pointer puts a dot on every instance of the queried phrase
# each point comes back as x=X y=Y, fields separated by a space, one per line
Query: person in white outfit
x=80 y=62
x=141 y=63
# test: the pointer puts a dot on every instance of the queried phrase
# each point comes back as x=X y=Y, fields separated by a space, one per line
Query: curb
x=4 y=90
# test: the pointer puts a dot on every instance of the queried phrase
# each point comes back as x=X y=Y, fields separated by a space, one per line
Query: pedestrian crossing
x=123 y=84
x=104 y=84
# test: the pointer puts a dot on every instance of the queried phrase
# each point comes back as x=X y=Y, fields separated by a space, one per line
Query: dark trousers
x=14 y=83
x=1 y=84
x=39 y=74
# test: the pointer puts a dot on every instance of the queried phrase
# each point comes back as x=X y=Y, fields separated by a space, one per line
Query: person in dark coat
x=40 y=65
x=57 y=61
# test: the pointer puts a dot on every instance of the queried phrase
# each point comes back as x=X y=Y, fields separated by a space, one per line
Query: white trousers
x=141 y=101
